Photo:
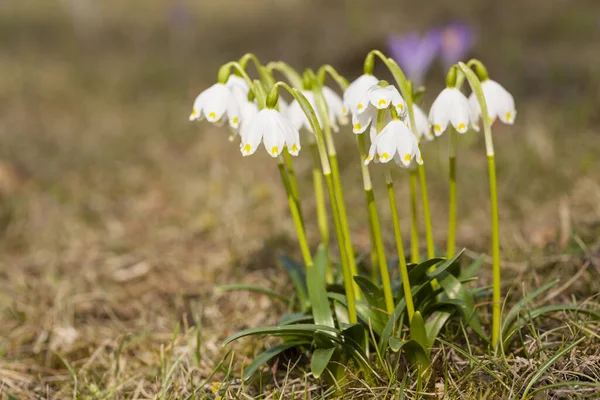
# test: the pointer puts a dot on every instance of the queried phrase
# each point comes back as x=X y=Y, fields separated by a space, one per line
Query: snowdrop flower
x=360 y=122
x=356 y=98
x=451 y=106
x=335 y=105
x=456 y=41
x=274 y=130
x=500 y=103
x=382 y=97
x=221 y=100
x=423 y=127
x=415 y=54
x=395 y=141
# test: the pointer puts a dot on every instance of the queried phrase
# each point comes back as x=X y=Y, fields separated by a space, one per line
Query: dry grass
x=118 y=217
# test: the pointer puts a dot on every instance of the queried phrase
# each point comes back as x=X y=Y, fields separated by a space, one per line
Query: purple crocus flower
x=456 y=41
x=414 y=53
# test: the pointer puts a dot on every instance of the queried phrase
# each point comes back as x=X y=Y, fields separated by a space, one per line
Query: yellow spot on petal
x=381 y=102
x=400 y=106
x=461 y=127
x=508 y=116
x=357 y=127
x=490 y=119
x=274 y=150
x=437 y=128
x=360 y=107
x=385 y=156
x=212 y=115
x=344 y=110
x=194 y=112
x=247 y=148
x=294 y=148
x=235 y=120
x=407 y=157
x=420 y=160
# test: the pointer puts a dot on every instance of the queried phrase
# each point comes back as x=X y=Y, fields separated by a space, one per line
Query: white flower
x=220 y=101
x=300 y=120
x=361 y=121
x=395 y=141
x=423 y=127
x=336 y=107
x=355 y=96
x=500 y=103
x=382 y=97
x=451 y=106
x=274 y=130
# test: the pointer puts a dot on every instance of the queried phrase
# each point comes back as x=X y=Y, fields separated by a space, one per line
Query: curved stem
x=326 y=167
x=328 y=69
x=264 y=76
x=400 y=247
x=290 y=73
x=452 y=195
x=489 y=145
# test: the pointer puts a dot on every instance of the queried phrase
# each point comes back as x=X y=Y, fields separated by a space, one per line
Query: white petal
x=252 y=134
x=356 y=91
x=386 y=142
x=334 y=103
x=399 y=103
x=239 y=82
x=459 y=110
x=360 y=122
x=501 y=100
x=380 y=97
x=439 y=114
x=406 y=142
x=214 y=102
x=423 y=128
x=273 y=133
x=290 y=134
x=197 y=108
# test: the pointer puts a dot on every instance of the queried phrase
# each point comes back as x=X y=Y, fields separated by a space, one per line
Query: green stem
x=326 y=168
x=489 y=145
x=452 y=195
x=337 y=183
x=414 y=222
x=400 y=247
x=265 y=76
x=375 y=227
x=321 y=209
x=289 y=164
x=290 y=73
x=406 y=89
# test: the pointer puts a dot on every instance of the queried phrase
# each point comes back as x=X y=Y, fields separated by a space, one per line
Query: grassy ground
x=118 y=217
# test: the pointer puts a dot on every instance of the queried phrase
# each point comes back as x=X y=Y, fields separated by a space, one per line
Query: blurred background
x=117 y=214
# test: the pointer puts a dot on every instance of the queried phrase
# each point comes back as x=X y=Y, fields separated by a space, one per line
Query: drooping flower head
x=415 y=53
x=356 y=98
x=456 y=41
x=500 y=103
x=377 y=97
x=450 y=107
x=221 y=100
x=423 y=126
x=274 y=130
x=395 y=141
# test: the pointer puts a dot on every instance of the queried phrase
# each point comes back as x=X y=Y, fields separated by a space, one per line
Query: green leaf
x=363 y=311
x=472 y=269
x=415 y=353
x=541 y=311
x=319 y=361
x=547 y=364
x=268 y=354
x=447 y=264
x=341 y=313
x=418 y=332
x=253 y=288
x=388 y=330
x=356 y=333
x=295 y=318
x=307 y=330
x=456 y=291
x=296 y=273
x=372 y=292
x=316 y=289
x=434 y=325
x=516 y=309
x=416 y=273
